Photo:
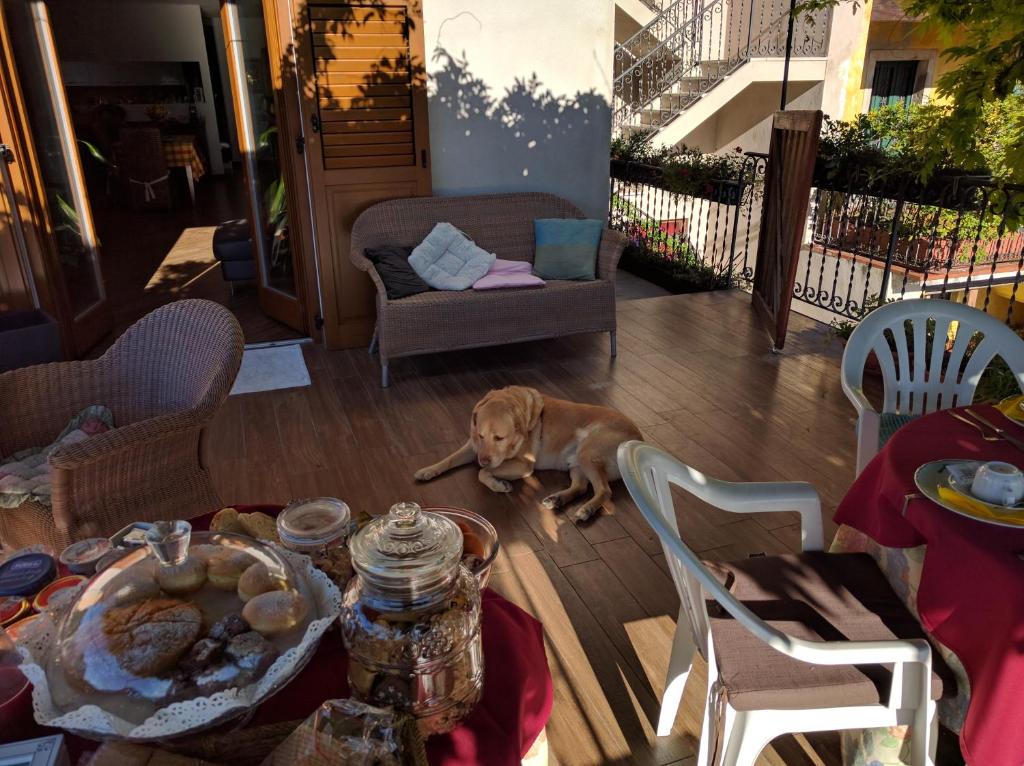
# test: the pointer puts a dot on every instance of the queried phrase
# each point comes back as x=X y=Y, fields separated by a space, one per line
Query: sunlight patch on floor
x=189 y=258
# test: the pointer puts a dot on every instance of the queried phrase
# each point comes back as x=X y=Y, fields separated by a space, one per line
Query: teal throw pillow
x=566 y=247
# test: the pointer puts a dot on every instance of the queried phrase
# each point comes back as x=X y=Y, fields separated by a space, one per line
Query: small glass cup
x=168 y=540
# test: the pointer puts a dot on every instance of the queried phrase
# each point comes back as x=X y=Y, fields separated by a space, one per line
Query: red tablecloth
x=516 y=701
x=971 y=596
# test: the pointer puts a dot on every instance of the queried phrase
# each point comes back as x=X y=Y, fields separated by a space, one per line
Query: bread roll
x=224 y=569
x=187 y=577
x=226 y=520
x=258 y=579
x=149 y=637
x=258 y=525
x=275 y=612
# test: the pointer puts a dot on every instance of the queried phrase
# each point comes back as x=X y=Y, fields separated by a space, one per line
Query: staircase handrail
x=662 y=16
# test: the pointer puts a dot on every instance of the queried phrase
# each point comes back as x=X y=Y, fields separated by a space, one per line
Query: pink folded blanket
x=505 y=274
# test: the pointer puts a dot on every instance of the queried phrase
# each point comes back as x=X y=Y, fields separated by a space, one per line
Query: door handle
x=423 y=157
x=6 y=154
x=315 y=120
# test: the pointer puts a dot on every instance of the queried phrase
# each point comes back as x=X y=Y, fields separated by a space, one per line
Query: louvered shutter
x=363 y=85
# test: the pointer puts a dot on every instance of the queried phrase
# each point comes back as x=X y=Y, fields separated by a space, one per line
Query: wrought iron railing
x=959 y=237
x=692 y=45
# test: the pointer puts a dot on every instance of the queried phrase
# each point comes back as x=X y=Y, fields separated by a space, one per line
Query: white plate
x=931 y=476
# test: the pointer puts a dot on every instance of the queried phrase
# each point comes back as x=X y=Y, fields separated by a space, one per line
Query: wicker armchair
x=449 y=320
x=164 y=380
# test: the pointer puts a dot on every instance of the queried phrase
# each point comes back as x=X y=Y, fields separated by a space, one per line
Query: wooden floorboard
x=695 y=372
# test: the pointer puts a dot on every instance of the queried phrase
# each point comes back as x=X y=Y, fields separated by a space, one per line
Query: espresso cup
x=998 y=483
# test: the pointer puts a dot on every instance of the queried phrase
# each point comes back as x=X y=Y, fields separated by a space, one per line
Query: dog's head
x=501 y=422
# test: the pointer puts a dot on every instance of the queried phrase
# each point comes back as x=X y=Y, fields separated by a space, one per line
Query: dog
x=516 y=430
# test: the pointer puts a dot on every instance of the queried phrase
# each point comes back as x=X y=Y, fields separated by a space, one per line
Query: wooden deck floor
x=696 y=374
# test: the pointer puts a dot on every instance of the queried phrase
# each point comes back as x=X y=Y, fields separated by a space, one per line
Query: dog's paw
x=425 y=474
x=553 y=503
x=500 y=485
x=584 y=513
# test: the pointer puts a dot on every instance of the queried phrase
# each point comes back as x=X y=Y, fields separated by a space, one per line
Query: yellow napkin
x=1011 y=408
x=977 y=508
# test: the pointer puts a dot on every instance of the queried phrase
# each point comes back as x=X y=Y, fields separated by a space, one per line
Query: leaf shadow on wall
x=527 y=138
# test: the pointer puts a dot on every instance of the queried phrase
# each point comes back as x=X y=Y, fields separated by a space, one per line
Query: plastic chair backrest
x=909 y=338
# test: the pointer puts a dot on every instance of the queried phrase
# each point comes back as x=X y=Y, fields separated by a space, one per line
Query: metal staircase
x=691 y=46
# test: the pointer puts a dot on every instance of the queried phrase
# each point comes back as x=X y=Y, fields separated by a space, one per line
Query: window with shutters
x=364 y=85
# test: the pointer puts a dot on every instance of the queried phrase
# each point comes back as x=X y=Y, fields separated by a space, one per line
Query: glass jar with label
x=411 y=619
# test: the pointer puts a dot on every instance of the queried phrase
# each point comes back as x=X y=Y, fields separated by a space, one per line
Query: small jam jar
x=314 y=526
x=319 y=528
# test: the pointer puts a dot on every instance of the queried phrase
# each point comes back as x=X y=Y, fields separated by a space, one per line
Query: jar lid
x=407 y=558
x=315 y=522
x=26 y=575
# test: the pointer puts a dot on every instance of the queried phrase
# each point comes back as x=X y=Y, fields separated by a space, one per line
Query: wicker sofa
x=446 y=321
x=164 y=379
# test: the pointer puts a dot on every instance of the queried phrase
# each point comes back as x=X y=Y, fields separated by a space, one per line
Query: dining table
x=502 y=730
x=962 y=575
x=181 y=152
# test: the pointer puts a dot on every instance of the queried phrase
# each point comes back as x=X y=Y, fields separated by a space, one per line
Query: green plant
x=638 y=146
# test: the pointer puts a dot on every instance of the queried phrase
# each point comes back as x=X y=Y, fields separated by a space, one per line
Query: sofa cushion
x=566 y=247
x=449 y=260
x=25 y=475
x=399 y=278
x=508 y=274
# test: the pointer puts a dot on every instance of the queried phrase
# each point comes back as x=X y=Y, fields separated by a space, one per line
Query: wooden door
x=46 y=176
x=278 y=216
x=364 y=103
x=787 y=188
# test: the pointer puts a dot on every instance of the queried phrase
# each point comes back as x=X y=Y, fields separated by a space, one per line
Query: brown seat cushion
x=819 y=597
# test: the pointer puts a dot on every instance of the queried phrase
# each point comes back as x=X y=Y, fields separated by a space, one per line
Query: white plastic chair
x=647 y=472
x=921 y=385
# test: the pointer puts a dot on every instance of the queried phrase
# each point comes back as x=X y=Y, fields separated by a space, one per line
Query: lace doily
x=39 y=639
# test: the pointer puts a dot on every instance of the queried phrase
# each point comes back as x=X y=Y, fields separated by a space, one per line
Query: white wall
x=128 y=32
x=519 y=97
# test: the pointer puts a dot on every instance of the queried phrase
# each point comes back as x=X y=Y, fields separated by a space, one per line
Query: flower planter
x=28 y=337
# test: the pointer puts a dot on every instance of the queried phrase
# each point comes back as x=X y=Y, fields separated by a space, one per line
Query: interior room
x=149 y=94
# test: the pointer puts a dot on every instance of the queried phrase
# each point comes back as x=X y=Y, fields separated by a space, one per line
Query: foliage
x=667 y=260
x=978 y=120
x=683 y=169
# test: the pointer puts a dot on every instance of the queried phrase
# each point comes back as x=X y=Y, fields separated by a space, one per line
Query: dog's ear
x=476 y=407
x=531 y=406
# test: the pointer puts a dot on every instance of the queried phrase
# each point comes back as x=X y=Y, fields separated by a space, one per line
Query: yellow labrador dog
x=517 y=430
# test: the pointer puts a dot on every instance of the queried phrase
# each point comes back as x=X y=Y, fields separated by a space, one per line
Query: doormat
x=267 y=369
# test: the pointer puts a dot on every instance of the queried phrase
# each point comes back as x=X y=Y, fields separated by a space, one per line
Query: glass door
x=254 y=70
x=82 y=298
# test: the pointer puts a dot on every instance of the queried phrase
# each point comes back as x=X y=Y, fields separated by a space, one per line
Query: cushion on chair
x=25 y=475
x=566 y=247
x=890 y=423
x=507 y=274
x=232 y=241
x=392 y=264
x=819 y=597
x=449 y=260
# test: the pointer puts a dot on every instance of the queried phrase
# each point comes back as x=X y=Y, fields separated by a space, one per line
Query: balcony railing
x=958 y=237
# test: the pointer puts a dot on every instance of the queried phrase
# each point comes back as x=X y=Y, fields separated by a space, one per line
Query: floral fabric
x=25 y=475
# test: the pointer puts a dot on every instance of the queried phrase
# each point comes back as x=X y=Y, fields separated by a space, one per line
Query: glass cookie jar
x=411 y=619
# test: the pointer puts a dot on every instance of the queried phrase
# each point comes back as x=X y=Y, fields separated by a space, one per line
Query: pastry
x=226 y=520
x=149 y=637
x=275 y=612
x=203 y=653
x=257 y=579
x=132 y=585
x=187 y=577
x=227 y=627
x=258 y=525
x=226 y=567
x=251 y=652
